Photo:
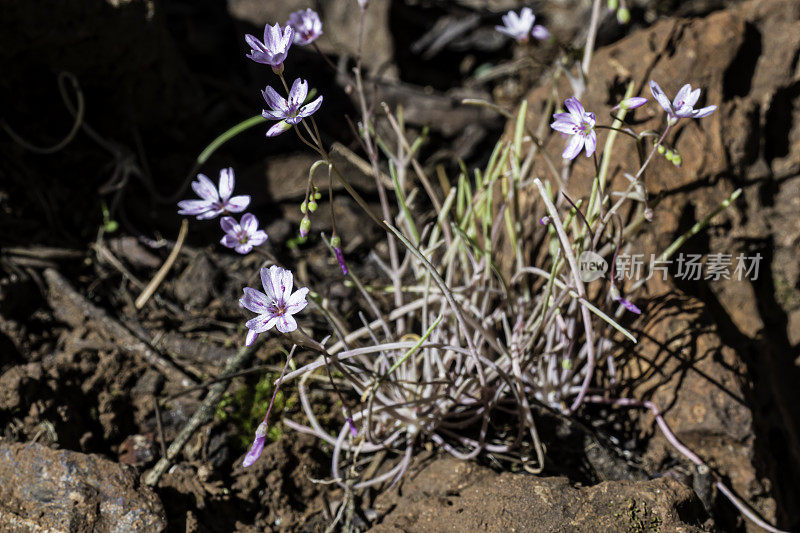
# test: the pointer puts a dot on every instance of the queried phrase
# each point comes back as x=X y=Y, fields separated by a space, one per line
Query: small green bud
x=623 y=15
x=661 y=149
x=317 y=195
x=613 y=5
x=677 y=160
x=305 y=226
x=669 y=155
x=312 y=206
x=303 y=207
x=336 y=242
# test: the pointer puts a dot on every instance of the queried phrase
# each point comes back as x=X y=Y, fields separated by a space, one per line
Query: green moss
x=246 y=408
x=638 y=518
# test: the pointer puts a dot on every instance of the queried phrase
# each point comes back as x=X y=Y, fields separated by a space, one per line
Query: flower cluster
x=215 y=201
x=579 y=125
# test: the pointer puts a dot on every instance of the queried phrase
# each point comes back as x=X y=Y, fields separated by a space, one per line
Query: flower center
x=242 y=237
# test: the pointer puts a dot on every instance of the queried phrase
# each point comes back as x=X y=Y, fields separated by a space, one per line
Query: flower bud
x=305 y=226
x=633 y=102
x=312 y=206
x=661 y=149
x=303 y=207
x=336 y=242
x=677 y=160
x=623 y=15
x=613 y=5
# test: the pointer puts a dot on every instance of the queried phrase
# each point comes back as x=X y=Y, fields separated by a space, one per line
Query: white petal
x=297 y=301
x=573 y=147
x=255 y=301
x=205 y=188
x=660 y=97
x=261 y=323
x=226 y=181
x=271 y=280
x=228 y=224
x=287 y=283
x=286 y=324
x=249 y=223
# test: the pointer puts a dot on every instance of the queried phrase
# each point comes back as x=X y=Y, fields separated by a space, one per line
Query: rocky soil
x=82 y=369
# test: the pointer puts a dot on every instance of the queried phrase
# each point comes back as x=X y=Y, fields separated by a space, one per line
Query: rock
x=58 y=490
x=723 y=363
x=453 y=495
x=194 y=287
x=129 y=249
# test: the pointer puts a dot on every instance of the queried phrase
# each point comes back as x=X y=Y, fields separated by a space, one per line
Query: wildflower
x=257 y=447
x=214 y=201
x=306 y=25
x=579 y=125
x=520 y=27
x=242 y=236
x=276 y=307
x=273 y=50
x=288 y=111
x=683 y=104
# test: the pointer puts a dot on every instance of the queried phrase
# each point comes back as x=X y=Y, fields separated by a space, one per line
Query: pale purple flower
x=289 y=111
x=579 y=126
x=306 y=25
x=242 y=236
x=276 y=307
x=214 y=201
x=683 y=104
x=273 y=50
x=521 y=26
x=257 y=446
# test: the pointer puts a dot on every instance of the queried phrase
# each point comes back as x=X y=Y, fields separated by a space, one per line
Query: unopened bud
x=305 y=226
x=303 y=207
x=312 y=206
x=677 y=160
x=336 y=242
x=623 y=15
x=613 y=4
x=661 y=149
